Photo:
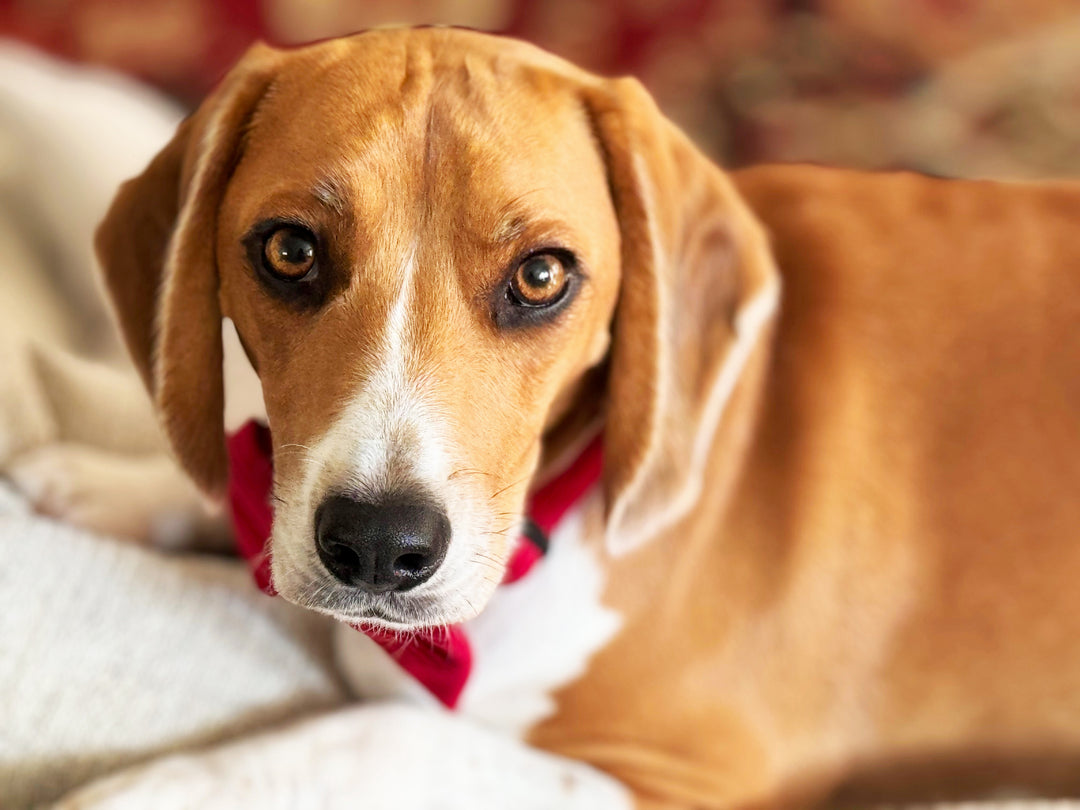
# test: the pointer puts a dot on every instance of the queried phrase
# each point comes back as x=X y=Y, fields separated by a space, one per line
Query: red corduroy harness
x=441 y=658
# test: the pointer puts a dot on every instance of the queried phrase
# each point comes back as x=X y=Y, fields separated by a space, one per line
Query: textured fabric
x=110 y=654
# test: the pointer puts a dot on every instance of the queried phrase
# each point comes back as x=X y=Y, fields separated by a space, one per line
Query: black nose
x=390 y=546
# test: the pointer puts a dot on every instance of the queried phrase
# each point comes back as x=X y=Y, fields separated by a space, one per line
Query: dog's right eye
x=288 y=254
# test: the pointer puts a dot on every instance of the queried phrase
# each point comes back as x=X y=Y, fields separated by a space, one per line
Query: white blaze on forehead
x=393 y=438
x=397 y=324
x=388 y=438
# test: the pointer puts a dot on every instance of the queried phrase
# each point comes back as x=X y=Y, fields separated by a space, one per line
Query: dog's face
x=420 y=274
x=421 y=237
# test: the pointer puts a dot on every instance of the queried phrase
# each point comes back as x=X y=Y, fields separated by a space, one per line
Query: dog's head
x=447 y=256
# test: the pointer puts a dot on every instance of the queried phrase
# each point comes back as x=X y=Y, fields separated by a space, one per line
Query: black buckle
x=535 y=535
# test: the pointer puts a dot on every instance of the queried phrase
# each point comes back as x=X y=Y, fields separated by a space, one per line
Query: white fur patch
x=538 y=634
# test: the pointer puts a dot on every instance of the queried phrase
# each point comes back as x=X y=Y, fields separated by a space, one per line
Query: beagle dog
x=832 y=549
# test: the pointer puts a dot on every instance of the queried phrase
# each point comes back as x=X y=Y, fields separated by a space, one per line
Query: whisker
x=509 y=486
x=468 y=471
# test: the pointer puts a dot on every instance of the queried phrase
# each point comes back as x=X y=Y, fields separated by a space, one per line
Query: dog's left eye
x=540 y=281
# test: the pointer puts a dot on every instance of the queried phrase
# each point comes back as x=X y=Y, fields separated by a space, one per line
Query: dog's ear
x=698 y=288
x=156 y=247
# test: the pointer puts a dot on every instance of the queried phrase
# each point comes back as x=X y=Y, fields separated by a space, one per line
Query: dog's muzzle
x=394 y=545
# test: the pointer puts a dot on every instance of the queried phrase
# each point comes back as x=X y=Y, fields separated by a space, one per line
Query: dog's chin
x=401 y=612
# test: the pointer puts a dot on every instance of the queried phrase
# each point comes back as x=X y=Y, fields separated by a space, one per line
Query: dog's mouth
x=399 y=612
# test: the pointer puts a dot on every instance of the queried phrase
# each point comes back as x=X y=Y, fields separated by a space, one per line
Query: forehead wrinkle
x=418 y=68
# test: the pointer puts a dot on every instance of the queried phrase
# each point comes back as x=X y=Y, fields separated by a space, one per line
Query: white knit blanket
x=111 y=654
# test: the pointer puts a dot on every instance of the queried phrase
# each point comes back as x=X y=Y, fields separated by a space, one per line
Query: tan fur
x=889 y=601
x=874 y=569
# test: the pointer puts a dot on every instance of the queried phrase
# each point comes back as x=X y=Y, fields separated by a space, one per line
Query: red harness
x=439 y=658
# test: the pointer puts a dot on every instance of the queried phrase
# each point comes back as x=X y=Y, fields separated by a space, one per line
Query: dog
x=832 y=548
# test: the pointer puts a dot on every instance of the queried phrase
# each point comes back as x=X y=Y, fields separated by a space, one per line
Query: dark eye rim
x=255 y=245
x=510 y=312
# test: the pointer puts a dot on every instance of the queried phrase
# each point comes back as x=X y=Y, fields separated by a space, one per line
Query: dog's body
x=887 y=593
x=841 y=408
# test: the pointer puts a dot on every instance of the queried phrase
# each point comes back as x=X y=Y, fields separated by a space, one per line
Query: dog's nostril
x=390 y=546
x=410 y=563
x=343 y=553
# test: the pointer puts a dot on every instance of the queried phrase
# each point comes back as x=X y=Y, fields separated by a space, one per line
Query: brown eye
x=540 y=281
x=289 y=253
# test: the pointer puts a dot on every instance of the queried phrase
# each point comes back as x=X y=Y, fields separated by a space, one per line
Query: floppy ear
x=156 y=247
x=698 y=288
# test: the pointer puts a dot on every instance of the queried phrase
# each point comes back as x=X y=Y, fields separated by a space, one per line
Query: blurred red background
x=956 y=87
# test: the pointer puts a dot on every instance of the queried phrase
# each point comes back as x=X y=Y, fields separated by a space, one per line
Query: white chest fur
x=535 y=636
